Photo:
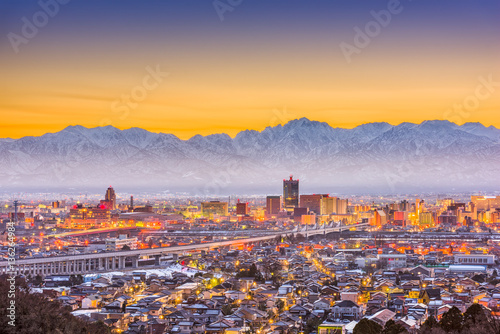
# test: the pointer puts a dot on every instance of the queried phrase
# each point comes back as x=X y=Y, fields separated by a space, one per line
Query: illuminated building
x=342 y=205
x=273 y=205
x=399 y=218
x=312 y=202
x=81 y=217
x=486 y=202
x=335 y=205
x=393 y=260
x=379 y=218
x=418 y=206
x=209 y=209
x=425 y=219
x=145 y=208
x=291 y=193
x=309 y=219
x=116 y=244
x=328 y=205
x=358 y=208
x=404 y=205
x=331 y=327
x=242 y=208
x=110 y=199
x=474 y=259
x=16 y=216
x=455 y=207
x=447 y=218
x=298 y=212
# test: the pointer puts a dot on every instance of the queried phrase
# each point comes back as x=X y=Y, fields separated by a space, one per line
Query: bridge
x=110 y=261
x=87 y=232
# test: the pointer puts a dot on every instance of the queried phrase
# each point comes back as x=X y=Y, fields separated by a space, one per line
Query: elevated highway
x=94 y=262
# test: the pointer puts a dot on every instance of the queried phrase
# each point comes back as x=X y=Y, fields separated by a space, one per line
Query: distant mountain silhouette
x=374 y=157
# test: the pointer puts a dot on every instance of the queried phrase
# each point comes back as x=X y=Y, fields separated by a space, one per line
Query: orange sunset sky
x=263 y=65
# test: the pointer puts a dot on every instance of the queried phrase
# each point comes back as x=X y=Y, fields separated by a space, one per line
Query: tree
x=474 y=314
x=312 y=324
x=478 y=278
x=34 y=313
x=75 y=279
x=366 y=326
x=476 y=319
x=280 y=304
x=126 y=248
x=300 y=238
x=430 y=323
x=489 y=325
x=227 y=309
x=392 y=328
x=37 y=280
x=252 y=272
x=452 y=320
x=369 y=270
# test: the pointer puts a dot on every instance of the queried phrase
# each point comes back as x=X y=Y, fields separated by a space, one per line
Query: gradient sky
x=266 y=63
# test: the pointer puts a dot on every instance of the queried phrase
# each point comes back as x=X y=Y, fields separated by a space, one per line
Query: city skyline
x=249 y=167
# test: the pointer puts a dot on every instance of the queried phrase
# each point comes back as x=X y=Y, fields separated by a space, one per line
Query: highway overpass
x=110 y=261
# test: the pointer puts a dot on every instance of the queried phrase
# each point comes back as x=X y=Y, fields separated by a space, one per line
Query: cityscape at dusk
x=250 y=167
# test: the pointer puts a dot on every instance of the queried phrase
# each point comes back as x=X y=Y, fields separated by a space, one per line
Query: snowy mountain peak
x=370 y=157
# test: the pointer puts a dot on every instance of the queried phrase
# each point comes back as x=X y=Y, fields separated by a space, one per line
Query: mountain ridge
x=433 y=155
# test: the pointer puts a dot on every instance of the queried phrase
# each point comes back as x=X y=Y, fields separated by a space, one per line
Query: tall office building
x=291 y=193
x=404 y=206
x=426 y=219
x=312 y=202
x=486 y=202
x=342 y=206
x=329 y=205
x=273 y=205
x=336 y=205
x=110 y=198
x=242 y=208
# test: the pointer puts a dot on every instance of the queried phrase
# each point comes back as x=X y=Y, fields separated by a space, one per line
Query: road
x=96 y=258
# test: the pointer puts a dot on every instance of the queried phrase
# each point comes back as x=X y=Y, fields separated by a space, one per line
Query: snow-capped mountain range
x=374 y=157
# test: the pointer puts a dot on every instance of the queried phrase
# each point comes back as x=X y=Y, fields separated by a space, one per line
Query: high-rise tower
x=111 y=198
x=291 y=193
